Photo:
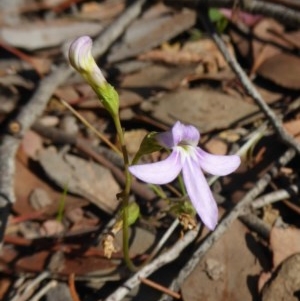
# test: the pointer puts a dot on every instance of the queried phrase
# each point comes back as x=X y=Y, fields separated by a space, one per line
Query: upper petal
x=216 y=164
x=161 y=172
x=80 y=57
x=179 y=134
x=80 y=53
x=165 y=139
x=200 y=193
x=186 y=134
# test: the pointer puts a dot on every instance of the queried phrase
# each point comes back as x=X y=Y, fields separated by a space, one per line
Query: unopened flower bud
x=81 y=59
x=80 y=56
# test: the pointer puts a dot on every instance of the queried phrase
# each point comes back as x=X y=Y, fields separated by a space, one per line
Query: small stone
x=214 y=269
x=39 y=198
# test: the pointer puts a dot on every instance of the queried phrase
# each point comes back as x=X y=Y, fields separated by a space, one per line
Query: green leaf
x=133 y=213
x=148 y=146
x=214 y=15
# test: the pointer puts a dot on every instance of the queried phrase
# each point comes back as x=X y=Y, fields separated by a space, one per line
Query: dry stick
x=279 y=12
x=251 y=90
x=227 y=221
x=30 y=287
x=34 y=108
x=254 y=223
x=153 y=266
x=72 y=288
x=159 y=287
x=44 y=290
x=275 y=196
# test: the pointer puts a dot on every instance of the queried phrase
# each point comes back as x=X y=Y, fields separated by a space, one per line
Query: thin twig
x=30 y=287
x=255 y=136
x=254 y=223
x=275 y=196
x=227 y=221
x=159 y=287
x=160 y=261
x=279 y=12
x=72 y=288
x=101 y=136
x=44 y=290
x=165 y=237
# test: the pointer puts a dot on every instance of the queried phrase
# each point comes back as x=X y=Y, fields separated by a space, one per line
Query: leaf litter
x=166 y=68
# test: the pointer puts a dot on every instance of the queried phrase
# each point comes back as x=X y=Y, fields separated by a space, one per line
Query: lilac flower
x=187 y=157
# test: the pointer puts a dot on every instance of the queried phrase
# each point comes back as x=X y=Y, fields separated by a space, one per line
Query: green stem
x=125 y=204
x=181 y=184
x=125 y=195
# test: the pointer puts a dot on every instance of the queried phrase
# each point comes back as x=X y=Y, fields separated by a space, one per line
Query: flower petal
x=180 y=133
x=161 y=172
x=200 y=193
x=216 y=164
x=80 y=53
x=165 y=139
x=186 y=134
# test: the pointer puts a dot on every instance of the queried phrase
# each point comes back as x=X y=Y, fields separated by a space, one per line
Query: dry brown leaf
x=160 y=24
x=171 y=57
x=47 y=34
x=85 y=178
x=216 y=146
x=209 y=51
x=265 y=52
x=31 y=144
x=266 y=43
x=5 y=284
x=26 y=181
x=266 y=31
x=41 y=65
x=293 y=127
x=156 y=77
x=284 y=243
x=283 y=69
x=101 y=11
x=270 y=214
x=68 y=93
x=133 y=140
x=206 y=109
x=203 y=50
